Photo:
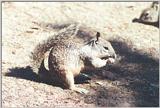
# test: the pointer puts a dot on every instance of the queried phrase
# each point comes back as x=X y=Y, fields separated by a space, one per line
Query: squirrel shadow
x=28 y=74
x=23 y=73
x=136 y=20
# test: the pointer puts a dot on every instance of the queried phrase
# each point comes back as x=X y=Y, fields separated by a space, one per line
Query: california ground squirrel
x=67 y=58
x=150 y=15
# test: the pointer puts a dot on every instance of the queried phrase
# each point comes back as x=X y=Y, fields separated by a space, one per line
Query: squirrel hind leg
x=69 y=80
x=69 y=83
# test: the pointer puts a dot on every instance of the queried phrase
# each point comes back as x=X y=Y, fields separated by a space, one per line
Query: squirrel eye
x=106 y=48
x=146 y=14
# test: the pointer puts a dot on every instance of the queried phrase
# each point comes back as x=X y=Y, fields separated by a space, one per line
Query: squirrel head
x=150 y=14
x=99 y=47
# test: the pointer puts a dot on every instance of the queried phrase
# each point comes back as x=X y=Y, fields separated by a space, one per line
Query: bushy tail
x=38 y=54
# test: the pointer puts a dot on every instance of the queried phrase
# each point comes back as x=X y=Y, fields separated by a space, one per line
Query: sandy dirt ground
x=133 y=81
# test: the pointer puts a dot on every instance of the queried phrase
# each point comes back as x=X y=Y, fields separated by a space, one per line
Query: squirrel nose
x=114 y=56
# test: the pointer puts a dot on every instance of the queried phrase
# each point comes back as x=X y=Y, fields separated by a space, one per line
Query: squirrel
x=66 y=57
x=150 y=15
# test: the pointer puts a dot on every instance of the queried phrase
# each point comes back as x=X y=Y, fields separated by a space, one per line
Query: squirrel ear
x=97 y=36
x=155 y=5
x=156 y=8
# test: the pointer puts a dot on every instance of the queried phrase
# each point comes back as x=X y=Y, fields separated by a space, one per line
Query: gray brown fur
x=67 y=57
x=151 y=14
x=40 y=50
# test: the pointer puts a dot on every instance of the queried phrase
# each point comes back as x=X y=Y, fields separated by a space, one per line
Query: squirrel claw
x=81 y=90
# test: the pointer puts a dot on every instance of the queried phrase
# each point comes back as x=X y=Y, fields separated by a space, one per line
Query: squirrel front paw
x=110 y=60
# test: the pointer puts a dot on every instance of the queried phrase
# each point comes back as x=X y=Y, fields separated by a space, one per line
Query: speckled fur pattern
x=40 y=50
x=151 y=14
x=67 y=58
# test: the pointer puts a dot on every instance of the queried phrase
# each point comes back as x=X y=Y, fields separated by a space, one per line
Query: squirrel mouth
x=107 y=57
x=109 y=60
